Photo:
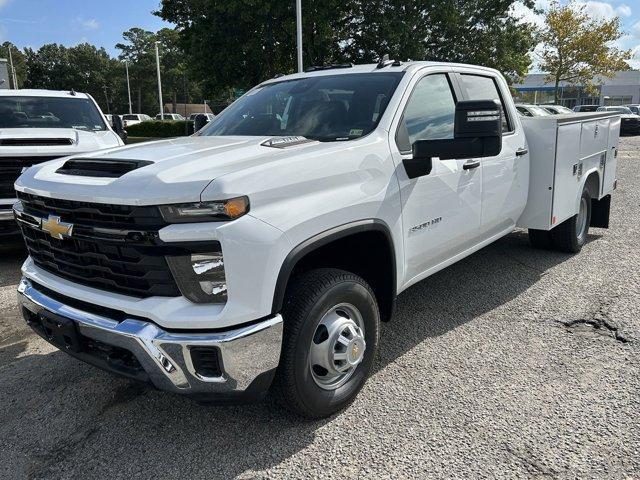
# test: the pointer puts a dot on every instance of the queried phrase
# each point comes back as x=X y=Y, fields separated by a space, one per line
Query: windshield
x=326 y=108
x=624 y=110
x=50 y=112
x=538 y=111
x=130 y=117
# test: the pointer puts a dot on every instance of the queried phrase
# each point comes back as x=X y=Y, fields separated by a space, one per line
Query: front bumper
x=246 y=356
x=8 y=226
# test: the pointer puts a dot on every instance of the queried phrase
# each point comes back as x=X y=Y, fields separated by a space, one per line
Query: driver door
x=440 y=211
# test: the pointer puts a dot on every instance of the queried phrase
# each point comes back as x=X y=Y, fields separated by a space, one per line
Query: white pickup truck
x=40 y=125
x=264 y=251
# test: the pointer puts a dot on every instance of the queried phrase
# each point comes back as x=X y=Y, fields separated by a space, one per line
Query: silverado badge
x=57 y=229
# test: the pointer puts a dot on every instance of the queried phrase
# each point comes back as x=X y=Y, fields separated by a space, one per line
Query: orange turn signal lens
x=236 y=207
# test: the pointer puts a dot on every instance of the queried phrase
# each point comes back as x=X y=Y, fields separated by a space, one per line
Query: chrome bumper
x=248 y=355
x=6 y=214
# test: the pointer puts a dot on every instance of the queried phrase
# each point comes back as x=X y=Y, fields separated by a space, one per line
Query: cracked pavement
x=513 y=363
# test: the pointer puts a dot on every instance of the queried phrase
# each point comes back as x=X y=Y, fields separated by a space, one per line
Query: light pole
x=106 y=97
x=126 y=66
x=299 y=33
x=205 y=106
x=159 y=83
x=14 y=79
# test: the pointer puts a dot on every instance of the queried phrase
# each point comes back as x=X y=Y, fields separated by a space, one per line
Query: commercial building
x=4 y=74
x=622 y=89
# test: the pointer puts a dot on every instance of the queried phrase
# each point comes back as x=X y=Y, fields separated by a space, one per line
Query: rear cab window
x=485 y=87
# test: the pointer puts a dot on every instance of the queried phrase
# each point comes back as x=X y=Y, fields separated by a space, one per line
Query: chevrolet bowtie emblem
x=57 y=229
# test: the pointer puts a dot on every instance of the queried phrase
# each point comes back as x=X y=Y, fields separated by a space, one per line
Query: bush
x=157 y=129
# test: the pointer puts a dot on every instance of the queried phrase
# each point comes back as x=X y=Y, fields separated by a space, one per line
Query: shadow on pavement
x=12 y=254
x=59 y=414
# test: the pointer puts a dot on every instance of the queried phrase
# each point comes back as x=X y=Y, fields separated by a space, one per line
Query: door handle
x=521 y=151
x=471 y=164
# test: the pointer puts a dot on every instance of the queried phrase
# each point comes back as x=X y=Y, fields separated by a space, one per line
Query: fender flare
x=322 y=239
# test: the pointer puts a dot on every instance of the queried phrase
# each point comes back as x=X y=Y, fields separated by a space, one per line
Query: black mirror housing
x=118 y=127
x=200 y=121
x=478 y=119
x=477 y=133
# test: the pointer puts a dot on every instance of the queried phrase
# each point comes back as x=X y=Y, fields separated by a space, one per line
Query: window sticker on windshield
x=355 y=132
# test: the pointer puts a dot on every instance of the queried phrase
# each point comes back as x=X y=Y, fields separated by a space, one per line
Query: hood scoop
x=89 y=167
x=35 y=142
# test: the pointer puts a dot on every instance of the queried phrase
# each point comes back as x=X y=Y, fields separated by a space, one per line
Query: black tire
x=308 y=298
x=566 y=238
x=540 y=239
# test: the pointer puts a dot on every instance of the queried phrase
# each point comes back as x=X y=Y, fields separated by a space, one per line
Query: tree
x=138 y=49
x=19 y=62
x=229 y=45
x=578 y=48
x=83 y=68
x=482 y=32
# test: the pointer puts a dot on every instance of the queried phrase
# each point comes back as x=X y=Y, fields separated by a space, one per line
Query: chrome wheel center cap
x=338 y=346
x=355 y=351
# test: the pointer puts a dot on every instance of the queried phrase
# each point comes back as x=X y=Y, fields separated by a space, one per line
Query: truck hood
x=79 y=141
x=179 y=169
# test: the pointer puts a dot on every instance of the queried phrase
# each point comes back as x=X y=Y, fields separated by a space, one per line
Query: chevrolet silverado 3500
x=264 y=251
x=40 y=125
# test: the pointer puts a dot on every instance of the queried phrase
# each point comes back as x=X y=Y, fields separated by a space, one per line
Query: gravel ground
x=513 y=363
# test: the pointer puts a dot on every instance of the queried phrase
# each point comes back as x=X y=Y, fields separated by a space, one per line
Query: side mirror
x=118 y=127
x=477 y=133
x=200 y=121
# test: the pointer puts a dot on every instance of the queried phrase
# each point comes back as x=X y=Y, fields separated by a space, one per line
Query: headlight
x=205 y=211
x=200 y=276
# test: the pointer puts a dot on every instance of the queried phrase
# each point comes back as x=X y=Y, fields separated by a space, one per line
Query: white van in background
x=41 y=125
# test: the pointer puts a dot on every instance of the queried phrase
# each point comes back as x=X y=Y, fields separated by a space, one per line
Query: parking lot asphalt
x=513 y=363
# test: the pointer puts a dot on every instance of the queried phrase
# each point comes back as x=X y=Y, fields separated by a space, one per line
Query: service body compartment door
x=594 y=137
x=568 y=171
x=611 y=160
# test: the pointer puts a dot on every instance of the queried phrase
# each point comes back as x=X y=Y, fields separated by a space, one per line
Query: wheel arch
x=313 y=253
x=591 y=182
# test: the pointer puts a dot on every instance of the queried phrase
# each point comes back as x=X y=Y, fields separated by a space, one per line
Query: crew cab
x=40 y=125
x=263 y=252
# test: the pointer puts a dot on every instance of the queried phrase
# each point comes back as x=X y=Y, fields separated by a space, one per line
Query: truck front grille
x=120 y=264
x=11 y=168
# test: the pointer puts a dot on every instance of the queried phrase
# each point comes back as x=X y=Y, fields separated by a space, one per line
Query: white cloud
x=527 y=15
x=4 y=2
x=604 y=10
x=624 y=10
x=635 y=29
x=86 y=24
x=635 y=58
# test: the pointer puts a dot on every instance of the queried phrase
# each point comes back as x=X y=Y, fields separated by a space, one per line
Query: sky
x=32 y=23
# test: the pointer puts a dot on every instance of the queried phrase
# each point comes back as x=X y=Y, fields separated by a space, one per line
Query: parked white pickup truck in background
x=265 y=250
x=39 y=125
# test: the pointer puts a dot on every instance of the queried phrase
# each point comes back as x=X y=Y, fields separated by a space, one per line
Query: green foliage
x=164 y=129
x=138 y=49
x=19 y=62
x=578 y=49
x=83 y=68
x=232 y=44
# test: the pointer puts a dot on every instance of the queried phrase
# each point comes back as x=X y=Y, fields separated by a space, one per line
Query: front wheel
x=331 y=333
x=571 y=235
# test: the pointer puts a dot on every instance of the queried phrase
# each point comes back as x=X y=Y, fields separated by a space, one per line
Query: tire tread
x=303 y=292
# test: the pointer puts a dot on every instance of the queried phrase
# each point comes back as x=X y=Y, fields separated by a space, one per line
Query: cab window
x=429 y=113
x=479 y=87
